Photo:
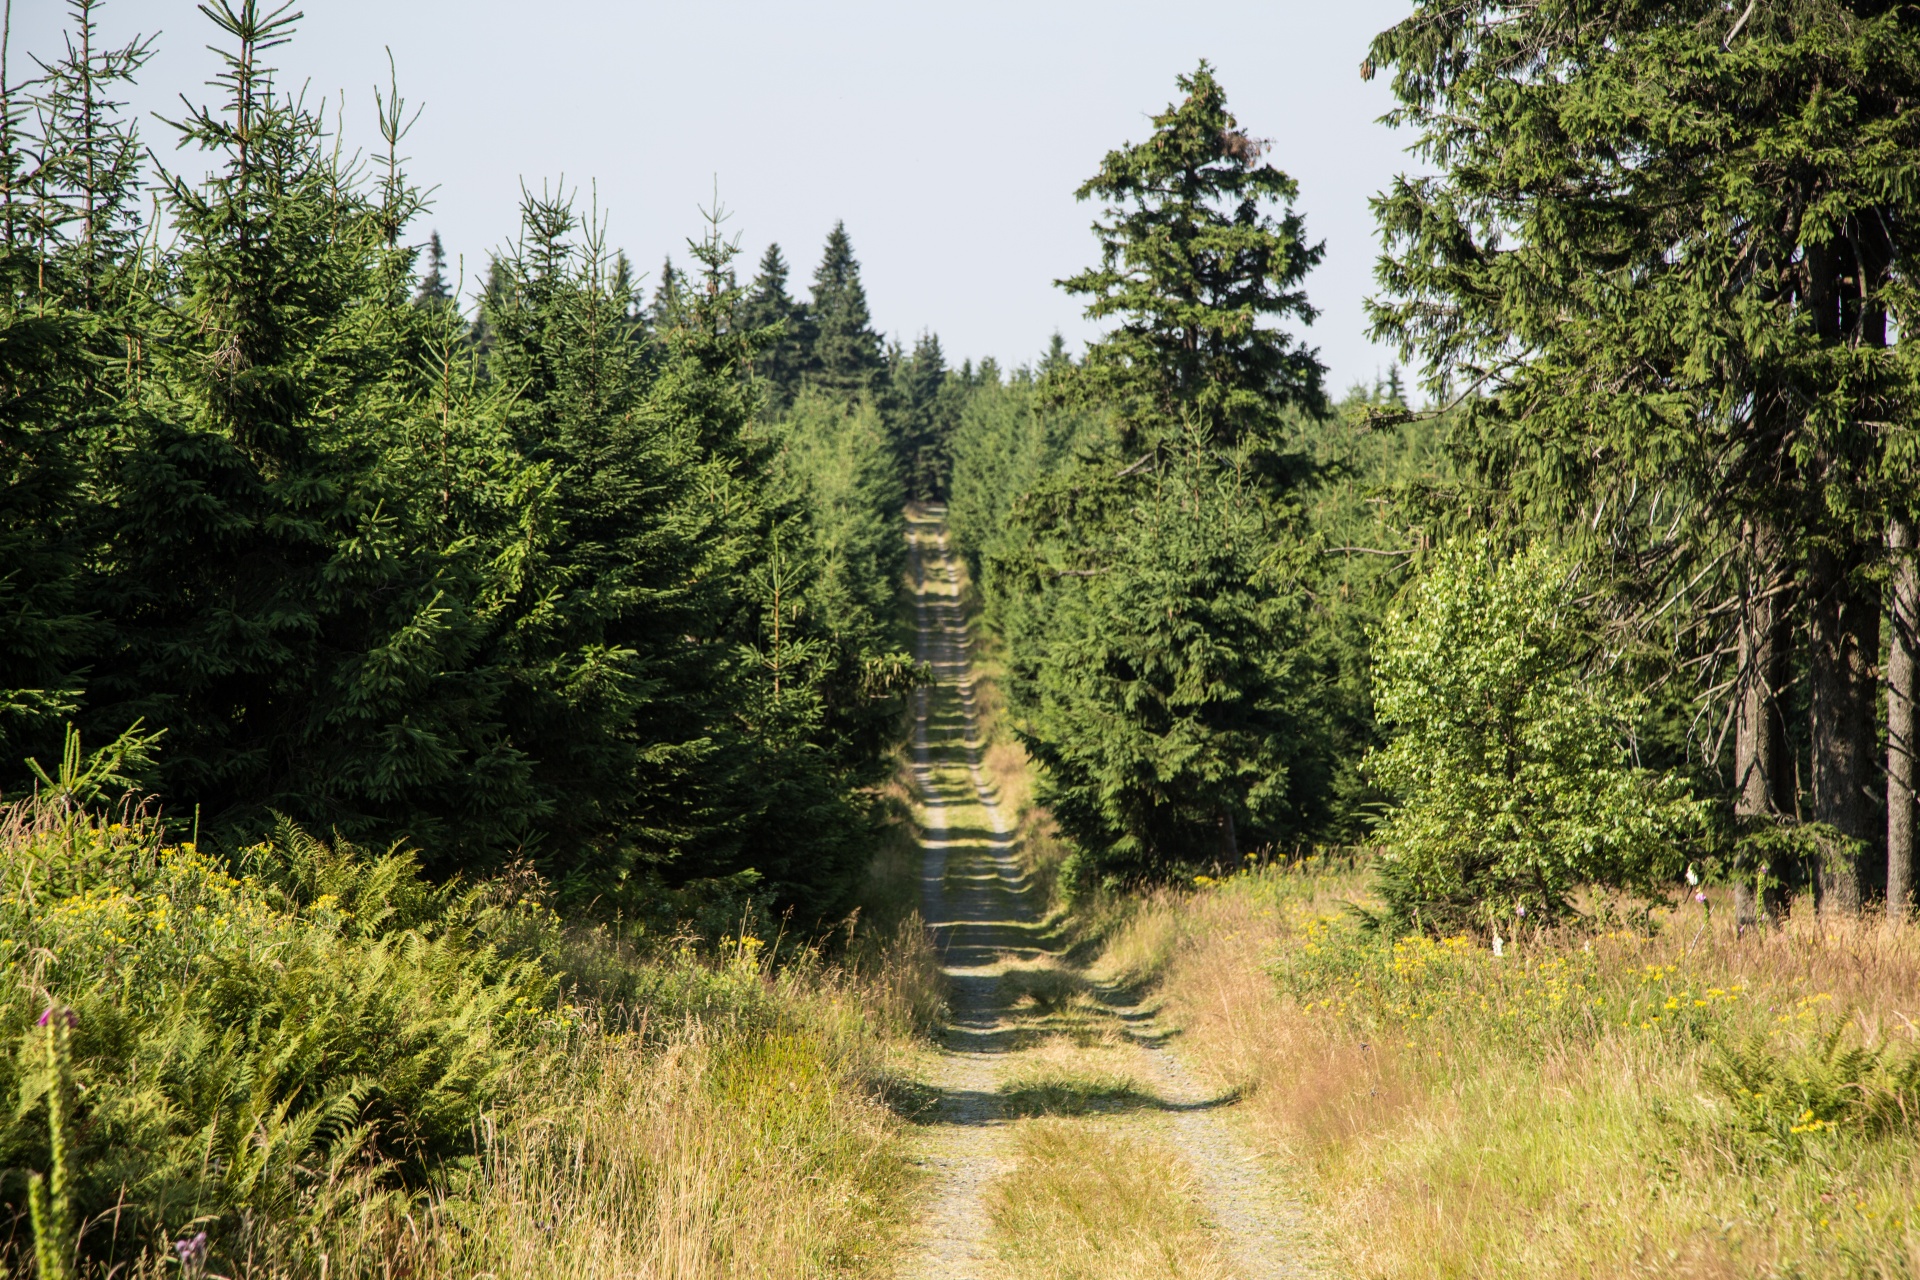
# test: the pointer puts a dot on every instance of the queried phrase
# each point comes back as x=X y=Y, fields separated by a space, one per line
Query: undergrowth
x=305 y=1059
x=1672 y=1099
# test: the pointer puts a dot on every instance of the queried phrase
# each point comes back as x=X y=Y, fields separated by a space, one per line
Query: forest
x=466 y=756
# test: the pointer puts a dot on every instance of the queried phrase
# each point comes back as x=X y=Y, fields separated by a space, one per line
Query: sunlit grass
x=1084 y=1202
x=1600 y=1103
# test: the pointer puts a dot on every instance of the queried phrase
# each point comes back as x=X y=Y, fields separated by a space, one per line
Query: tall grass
x=307 y=1061
x=1671 y=1099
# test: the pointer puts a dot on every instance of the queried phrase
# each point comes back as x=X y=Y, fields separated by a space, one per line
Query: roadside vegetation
x=309 y=1060
x=1679 y=1100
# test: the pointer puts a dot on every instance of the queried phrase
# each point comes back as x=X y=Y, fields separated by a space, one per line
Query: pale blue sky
x=950 y=138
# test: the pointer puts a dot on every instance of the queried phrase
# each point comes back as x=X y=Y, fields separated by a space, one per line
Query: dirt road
x=1033 y=1041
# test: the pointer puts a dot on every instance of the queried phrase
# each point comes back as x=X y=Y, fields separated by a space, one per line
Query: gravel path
x=983 y=919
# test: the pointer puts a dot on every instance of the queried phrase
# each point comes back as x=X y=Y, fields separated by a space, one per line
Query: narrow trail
x=986 y=922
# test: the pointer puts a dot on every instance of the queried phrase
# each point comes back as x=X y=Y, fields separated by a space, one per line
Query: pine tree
x=1197 y=270
x=280 y=601
x=923 y=411
x=1153 y=673
x=68 y=229
x=663 y=315
x=846 y=351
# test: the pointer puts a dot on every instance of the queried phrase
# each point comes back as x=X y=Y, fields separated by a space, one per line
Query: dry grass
x=1086 y=1203
x=1044 y=985
x=711 y=1154
x=1555 y=1112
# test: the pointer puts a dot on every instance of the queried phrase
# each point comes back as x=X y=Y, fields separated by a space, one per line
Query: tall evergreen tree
x=277 y=601
x=1664 y=255
x=925 y=404
x=846 y=351
x=1156 y=679
x=1197 y=270
x=434 y=291
x=68 y=222
x=781 y=360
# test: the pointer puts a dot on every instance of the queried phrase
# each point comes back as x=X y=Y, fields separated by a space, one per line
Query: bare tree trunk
x=1763 y=783
x=1229 y=840
x=1905 y=603
x=1844 y=639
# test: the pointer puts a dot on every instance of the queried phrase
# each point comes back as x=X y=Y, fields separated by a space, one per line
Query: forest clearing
x=578 y=772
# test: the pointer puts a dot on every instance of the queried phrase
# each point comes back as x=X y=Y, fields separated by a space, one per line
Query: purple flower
x=192 y=1251
x=73 y=1019
x=1521 y=909
x=1700 y=897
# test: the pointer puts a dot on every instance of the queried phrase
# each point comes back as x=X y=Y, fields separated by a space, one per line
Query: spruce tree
x=1663 y=256
x=924 y=407
x=280 y=604
x=1154 y=675
x=780 y=360
x=846 y=354
x=1197 y=270
x=434 y=291
x=68 y=227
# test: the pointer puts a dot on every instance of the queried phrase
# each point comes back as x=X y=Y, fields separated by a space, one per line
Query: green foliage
x=781 y=359
x=926 y=399
x=1787 y=1100
x=1508 y=750
x=1665 y=246
x=240 y=1042
x=1195 y=268
x=1143 y=555
x=845 y=355
x=520 y=587
x=836 y=455
x=1167 y=713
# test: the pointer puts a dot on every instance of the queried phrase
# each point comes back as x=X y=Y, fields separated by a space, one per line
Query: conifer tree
x=47 y=323
x=551 y=584
x=846 y=354
x=278 y=604
x=924 y=404
x=781 y=360
x=434 y=291
x=1154 y=673
x=1197 y=270
x=1663 y=256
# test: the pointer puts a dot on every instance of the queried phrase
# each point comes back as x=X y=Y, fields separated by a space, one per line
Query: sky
x=950 y=138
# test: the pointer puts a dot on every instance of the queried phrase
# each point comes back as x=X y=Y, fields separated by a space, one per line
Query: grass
x=1084 y=1202
x=707 y=1152
x=332 y=1068
x=1679 y=1102
x=1065 y=1077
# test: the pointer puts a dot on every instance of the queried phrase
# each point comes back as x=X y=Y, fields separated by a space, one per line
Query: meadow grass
x=1666 y=1098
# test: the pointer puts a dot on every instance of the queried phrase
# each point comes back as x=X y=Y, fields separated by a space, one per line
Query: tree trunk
x=1843 y=641
x=1904 y=595
x=1229 y=840
x=1763 y=776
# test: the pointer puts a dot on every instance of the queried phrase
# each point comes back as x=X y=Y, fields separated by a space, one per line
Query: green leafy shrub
x=1508 y=751
x=245 y=1046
